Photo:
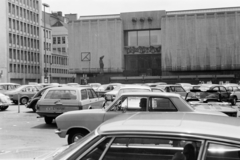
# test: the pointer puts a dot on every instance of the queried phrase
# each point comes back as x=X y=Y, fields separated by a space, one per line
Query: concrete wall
x=100 y=37
x=4 y=41
x=204 y=41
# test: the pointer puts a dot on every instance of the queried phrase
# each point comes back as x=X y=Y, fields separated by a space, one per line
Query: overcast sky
x=103 y=7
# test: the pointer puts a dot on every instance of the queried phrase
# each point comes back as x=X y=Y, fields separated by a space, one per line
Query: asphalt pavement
x=23 y=136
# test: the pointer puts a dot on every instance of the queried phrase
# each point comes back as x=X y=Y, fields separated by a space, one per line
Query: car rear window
x=61 y=94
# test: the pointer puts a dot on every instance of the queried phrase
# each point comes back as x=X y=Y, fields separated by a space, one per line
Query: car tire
x=48 y=120
x=75 y=135
x=234 y=101
x=24 y=101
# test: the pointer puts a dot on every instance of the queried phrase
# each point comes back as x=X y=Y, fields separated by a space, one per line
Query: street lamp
x=45 y=55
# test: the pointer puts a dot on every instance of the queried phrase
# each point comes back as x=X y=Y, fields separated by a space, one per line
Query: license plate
x=54 y=109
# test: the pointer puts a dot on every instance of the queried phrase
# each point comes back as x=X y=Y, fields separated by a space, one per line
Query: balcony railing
x=96 y=70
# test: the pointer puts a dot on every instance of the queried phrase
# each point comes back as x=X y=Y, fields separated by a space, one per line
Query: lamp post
x=45 y=54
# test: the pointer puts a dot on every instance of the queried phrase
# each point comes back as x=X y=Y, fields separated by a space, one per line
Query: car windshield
x=202 y=95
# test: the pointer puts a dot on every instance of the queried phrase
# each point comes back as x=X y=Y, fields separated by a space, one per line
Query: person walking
x=101 y=64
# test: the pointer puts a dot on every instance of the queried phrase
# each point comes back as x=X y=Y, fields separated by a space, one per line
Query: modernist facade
x=20 y=41
x=194 y=43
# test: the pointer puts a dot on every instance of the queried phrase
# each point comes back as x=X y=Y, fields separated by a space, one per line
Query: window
x=222 y=151
x=93 y=92
x=84 y=94
x=63 y=40
x=59 y=49
x=132 y=148
x=161 y=104
x=59 y=40
x=54 y=40
x=143 y=38
x=90 y=94
x=63 y=49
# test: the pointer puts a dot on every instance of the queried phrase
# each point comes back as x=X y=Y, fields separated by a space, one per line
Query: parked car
x=94 y=85
x=104 y=89
x=234 y=89
x=4 y=102
x=156 y=136
x=209 y=100
x=8 y=86
x=33 y=101
x=58 y=100
x=22 y=93
x=224 y=94
x=173 y=88
x=77 y=124
x=186 y=86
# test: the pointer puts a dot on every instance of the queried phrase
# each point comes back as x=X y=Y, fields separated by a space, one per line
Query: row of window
x=59 y=50
x=17 y=68
x=23 y=13
x=30 y=3
x=55 y=59
x=57 y=70
x=23 y=27
x=23 y=41
x=24 y=55
x=143 y=38
x=59 y=40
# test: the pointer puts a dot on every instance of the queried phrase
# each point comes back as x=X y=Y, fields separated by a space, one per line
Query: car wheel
x=234 y=101
x=75 y=135
x=48 y=120
x=24 y=100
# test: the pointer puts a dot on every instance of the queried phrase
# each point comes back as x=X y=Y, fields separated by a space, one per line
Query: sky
x=106 y=7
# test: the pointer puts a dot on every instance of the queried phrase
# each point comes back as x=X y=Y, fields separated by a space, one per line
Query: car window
x=132 y=148
x=156 y=90
x=229 y=88
x=90 y=94
x=177 y=89
x=215 y=89
x=93 y=93
x=130 y=104
x=68 y=94
x=222 y=151
x=53 y=94
x=161 y=104
x=223 y=89
x=235 y=88
x=84 y=94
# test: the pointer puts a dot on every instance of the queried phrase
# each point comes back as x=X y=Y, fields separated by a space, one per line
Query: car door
x=96 y=101
x=225 y=95
x=126 y=105
x=85 y=101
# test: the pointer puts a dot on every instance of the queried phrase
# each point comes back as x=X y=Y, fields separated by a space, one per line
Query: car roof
x=9 y=84
x=135 y=86
x=162 y=94
x=175 y=122
x=70 y=87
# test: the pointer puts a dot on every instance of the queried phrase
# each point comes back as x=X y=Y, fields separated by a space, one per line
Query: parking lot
x=24 y=136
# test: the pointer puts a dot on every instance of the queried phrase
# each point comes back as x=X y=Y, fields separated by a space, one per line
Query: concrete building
x=20 y=41
x=193 y=46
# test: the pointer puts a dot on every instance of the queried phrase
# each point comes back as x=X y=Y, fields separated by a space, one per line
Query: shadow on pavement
x=45 y=126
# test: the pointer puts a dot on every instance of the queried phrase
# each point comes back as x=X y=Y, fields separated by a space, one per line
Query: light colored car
x=173 y=88
x=57 y=100
x=5 y=101
x=22 y=93
x=94 y=85
x=158 y=136
x=79 y=123
x=8 y=86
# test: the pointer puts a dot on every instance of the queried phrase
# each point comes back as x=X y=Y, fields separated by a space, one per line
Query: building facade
x=20 y=36
x=177 y=45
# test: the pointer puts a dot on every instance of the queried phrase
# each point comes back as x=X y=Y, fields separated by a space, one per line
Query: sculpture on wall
x=101 y=64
